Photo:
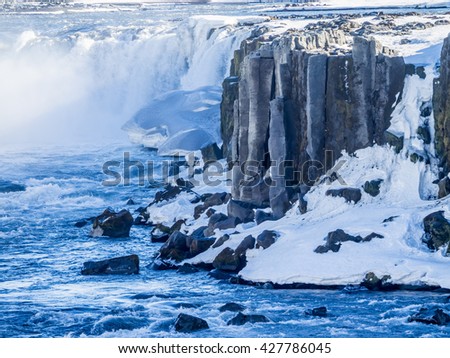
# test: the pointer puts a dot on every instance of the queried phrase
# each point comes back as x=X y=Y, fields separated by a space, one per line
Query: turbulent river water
x=42 y=293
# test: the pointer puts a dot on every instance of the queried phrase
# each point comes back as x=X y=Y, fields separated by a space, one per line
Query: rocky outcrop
x=335 y=239
x=112 y=224
x=437 y=232
x=301 y=99
x=441 y=106
x=125 y=265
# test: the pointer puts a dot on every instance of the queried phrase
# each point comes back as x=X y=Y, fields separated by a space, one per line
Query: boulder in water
x=431 y=316
x=186 y=323
x=124 y=265
x=112 y=224
x=240 y=319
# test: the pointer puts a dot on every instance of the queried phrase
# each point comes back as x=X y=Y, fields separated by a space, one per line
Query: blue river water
x=66 y=76
x=43 y=294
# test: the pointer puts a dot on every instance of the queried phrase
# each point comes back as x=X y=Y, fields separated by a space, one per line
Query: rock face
x=441 y=106
x=112 y=224
x=300 y=100
x=125 y=265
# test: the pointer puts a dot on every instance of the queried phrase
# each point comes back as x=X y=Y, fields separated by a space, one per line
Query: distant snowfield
x=375 y=3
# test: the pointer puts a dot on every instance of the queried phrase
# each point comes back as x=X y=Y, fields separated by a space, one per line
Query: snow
x=178 y=121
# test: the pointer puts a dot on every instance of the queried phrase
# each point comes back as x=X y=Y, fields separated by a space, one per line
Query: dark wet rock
x=444 y=187
x=395 y=142
x=9 y=187
x=187 y=269
x=159 y=265
x=157 y=236
x=374 y=283
x=217 y=199
x=210 y=200
x=215 y=218
x=176 y=247
x=241 y=210
x=231 y=307
x=199 y=233
x=246 y=244
x=261 y=216
x=186 y=184
x=200 y=245
x=227 y=260
x=210 y=212
x=125 y=265
x=211 y=153
x=390 y=219
x=130 y=202
x=186 y=323
x=414 y=157
x=317 y=312
x=302 y=202
x=84 y=222
x=373 y=187
x=143 y=217
x=435 y=316
x=426 y=109
x=335 y=239
x=219 y=274
x=228 y=223
x=161 y=233
x=266 y=239
x=240 y=319
x=424 y=133
x=220 y=241
x=437 y=231
x=112 y=224
x=170 y=192
x=349 y=194
x=234 y=260
x=420 y=71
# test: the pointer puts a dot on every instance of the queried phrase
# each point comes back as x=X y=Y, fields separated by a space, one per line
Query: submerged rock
x=231 y=307
x=124 y=265
x=431 y=316
x=112 y=224
x=317 y=312
x=240 y=319
x=186 y=323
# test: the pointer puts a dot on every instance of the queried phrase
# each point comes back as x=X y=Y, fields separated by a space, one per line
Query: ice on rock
x=178 y=121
